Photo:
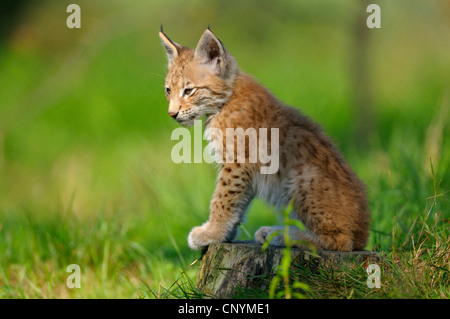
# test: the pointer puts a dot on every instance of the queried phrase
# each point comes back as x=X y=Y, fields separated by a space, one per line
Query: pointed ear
x=211 y=52
x=172 y=48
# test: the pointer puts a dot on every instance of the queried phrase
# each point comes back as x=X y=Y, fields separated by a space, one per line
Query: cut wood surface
x=226 y=267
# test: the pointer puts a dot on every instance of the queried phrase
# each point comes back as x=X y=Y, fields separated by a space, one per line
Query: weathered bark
x=227 y=267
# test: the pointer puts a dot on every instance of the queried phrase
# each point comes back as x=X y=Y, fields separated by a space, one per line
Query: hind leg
x=298 y=238
x=337 y=241
x=331 y=225
x=305 y=239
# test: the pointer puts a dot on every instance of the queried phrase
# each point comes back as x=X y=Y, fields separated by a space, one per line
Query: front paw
x=274 y=234
x=202 y=236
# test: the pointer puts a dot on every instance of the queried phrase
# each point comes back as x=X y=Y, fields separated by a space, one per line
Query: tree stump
x=227 y=267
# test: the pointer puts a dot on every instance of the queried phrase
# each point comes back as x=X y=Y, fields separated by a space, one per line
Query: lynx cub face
x=327 y=196
x=198 y=82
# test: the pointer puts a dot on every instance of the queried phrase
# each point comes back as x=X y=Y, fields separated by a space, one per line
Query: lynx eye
x=187 y=92
x=168 y=91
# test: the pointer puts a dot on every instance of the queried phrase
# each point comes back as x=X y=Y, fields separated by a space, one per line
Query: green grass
x=85 y=171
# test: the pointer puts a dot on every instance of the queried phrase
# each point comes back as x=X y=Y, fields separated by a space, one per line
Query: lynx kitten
x=327 y=196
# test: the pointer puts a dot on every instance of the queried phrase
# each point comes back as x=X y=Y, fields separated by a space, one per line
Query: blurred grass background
x=85 y=170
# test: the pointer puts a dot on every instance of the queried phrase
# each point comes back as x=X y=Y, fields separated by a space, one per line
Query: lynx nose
x=173 y=114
